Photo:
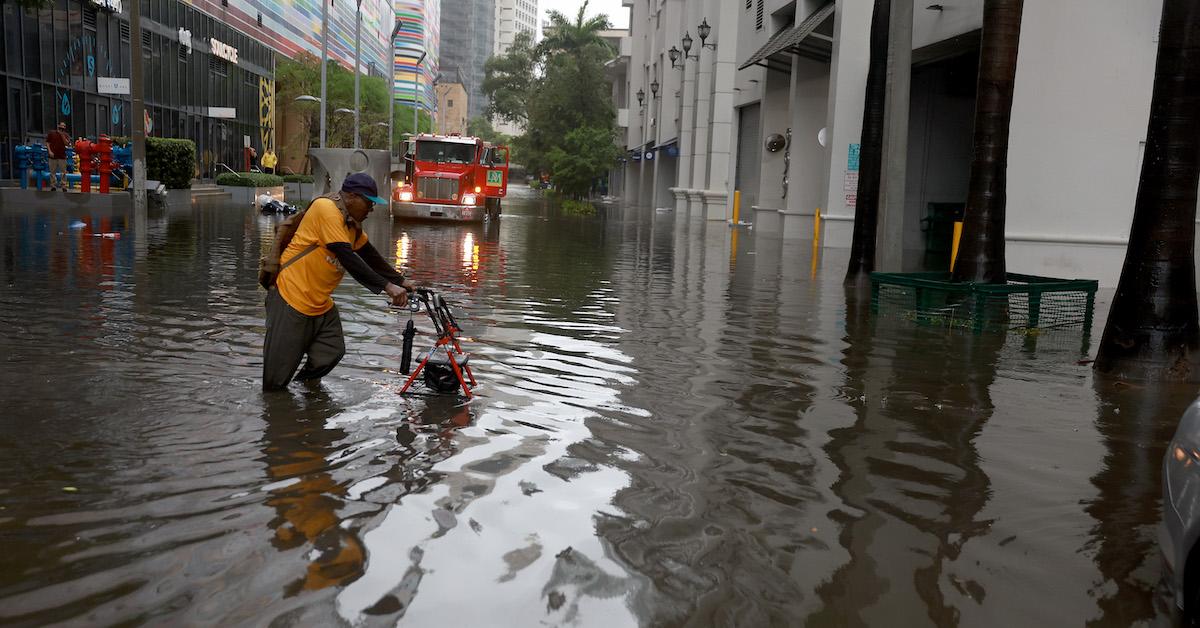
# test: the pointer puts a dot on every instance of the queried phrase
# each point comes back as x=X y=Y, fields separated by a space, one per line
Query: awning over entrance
x=812 y=38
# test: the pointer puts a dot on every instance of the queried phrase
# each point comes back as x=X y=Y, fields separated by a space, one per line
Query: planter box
x=249 y=196
x=298 y=194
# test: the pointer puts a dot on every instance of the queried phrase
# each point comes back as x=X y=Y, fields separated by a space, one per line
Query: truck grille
x=437 y=188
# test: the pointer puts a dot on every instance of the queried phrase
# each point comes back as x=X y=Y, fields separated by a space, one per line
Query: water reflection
x=298 y=448
x=1136 y=424
x=909 y=472
x=677 y=423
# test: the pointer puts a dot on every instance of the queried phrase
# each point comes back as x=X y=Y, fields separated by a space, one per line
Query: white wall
x=1080 y=109
x=806 y=173
x=775 y=119
x=848 y=82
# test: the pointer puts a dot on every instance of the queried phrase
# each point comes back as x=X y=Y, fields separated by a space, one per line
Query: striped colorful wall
x=293 y=26
x=419 y=34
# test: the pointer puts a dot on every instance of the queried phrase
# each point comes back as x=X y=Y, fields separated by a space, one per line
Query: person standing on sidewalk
x=57 y=141
x=301 y=316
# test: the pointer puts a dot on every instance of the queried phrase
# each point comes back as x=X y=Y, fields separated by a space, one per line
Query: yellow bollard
x=954 y=245
x=816 y=248
x=737 y=205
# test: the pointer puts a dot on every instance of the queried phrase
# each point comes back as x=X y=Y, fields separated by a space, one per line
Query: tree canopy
x=301 y=76
x=559 y=90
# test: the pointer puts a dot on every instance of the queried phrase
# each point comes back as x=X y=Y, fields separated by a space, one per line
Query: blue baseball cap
x=362 y=184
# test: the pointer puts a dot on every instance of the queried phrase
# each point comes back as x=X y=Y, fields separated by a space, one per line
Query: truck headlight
x=405 y=195
x=468 y=199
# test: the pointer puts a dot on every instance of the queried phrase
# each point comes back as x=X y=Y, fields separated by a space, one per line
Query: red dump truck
x=451 y=177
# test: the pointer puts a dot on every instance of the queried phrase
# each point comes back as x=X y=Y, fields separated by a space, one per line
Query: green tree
x=586 y=153
x=1152 y=331
x=508 y=80
x=981 y=252
x=480 y=127
x=557 y=88
x=301 y=76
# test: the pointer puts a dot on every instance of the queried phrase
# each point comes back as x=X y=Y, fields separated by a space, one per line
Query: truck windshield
x=451 y=152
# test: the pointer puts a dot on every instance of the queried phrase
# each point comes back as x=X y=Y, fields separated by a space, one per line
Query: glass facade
x=467 y=38
x=53 y=60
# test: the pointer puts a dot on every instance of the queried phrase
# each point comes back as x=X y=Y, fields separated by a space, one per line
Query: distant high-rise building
x=418 y=34
x=512 y=17
x=468 y=36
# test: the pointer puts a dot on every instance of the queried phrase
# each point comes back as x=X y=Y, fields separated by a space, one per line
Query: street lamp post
x=392 y=91
x=416 y=87
x=357 y=44
x=324 y=61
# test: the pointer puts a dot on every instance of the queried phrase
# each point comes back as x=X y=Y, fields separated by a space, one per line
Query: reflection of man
x=56 y=144
x=301 y=316
x=297 y=445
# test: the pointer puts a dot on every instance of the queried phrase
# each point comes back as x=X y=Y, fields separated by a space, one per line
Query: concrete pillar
x=889 y=255
x=703 y=113
x=687 y=123
x=847 y=92
x=718 y=200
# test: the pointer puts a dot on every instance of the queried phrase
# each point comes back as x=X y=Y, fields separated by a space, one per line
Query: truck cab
x=451 y=177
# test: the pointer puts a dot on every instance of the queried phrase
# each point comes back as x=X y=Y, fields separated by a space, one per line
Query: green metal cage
x=1025 y=302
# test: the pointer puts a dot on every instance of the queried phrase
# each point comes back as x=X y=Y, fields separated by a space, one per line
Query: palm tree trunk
x=870 y=156
x=981 y=250
x=1152 y=331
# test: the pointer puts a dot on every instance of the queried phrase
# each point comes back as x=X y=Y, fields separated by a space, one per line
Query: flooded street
x=672 y=427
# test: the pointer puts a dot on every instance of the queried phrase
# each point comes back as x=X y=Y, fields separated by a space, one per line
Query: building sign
x=185 y=39
x=852 y=157
x=110 y=85
x=108 y=5
x=222 y=112
x=223 y=50
x=495 y=177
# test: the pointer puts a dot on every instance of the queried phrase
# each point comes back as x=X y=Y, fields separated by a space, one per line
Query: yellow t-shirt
x=308 y=284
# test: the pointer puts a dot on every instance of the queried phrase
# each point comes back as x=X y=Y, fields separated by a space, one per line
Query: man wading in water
x=301 y=317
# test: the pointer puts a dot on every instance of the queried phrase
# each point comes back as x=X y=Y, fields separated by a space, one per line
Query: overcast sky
x=618 y=15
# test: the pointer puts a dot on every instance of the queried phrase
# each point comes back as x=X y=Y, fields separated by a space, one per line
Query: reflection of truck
x=451 y=177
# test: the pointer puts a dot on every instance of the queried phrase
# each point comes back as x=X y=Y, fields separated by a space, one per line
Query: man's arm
x=373 y=259
x=357 y=268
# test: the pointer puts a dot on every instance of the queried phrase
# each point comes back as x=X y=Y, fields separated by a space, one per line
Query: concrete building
x=413 y=82
x=512 y=17
x=468 y=31
x=452 y=108
x=794 y=72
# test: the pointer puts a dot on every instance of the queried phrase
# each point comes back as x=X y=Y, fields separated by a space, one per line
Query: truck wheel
x=492 y=207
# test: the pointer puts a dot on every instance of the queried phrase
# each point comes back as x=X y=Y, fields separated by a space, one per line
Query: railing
x=225 y=167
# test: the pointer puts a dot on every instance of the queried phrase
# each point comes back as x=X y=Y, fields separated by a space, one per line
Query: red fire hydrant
x=83 y=148
x=104 y=148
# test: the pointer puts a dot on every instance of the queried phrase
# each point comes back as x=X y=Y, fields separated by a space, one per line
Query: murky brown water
x=667 y=432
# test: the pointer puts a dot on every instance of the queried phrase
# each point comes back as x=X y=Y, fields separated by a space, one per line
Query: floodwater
x=672 y=427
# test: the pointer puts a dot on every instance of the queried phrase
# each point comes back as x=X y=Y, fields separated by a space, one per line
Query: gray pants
x=292 y=335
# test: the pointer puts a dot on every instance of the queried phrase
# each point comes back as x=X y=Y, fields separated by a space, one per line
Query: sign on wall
x=185 y=39
x=111 y=85
x=852 y=157
x=223 y=50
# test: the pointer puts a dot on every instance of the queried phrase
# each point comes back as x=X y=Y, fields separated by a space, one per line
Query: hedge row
x=250 y=180
x=171 y=161
x=297 y=178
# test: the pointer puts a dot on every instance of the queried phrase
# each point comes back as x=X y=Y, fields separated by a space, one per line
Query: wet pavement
x=672 y=428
